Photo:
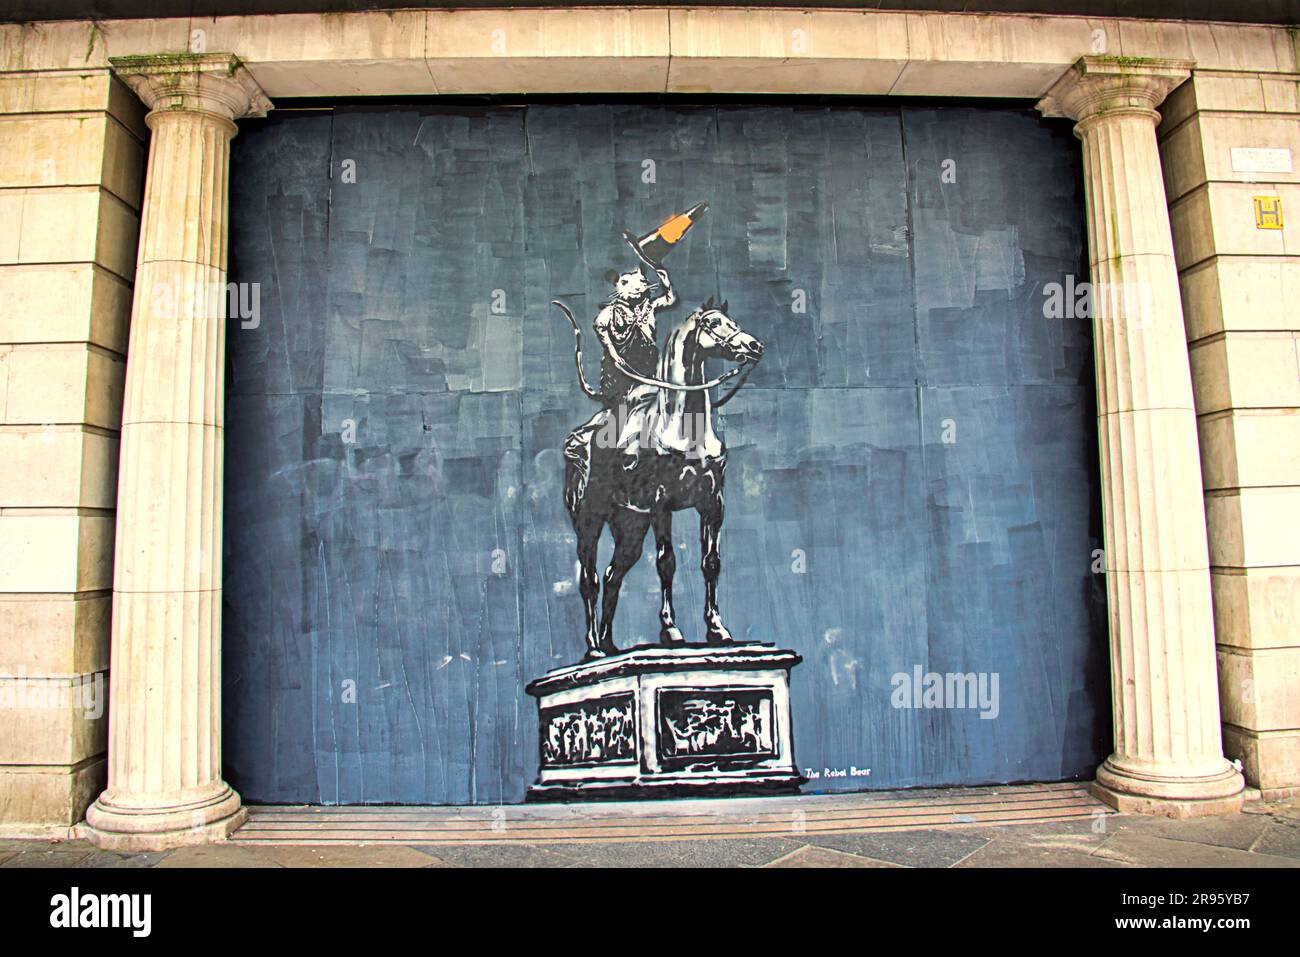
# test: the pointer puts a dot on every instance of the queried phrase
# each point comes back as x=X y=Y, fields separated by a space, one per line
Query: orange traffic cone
x=657 y=244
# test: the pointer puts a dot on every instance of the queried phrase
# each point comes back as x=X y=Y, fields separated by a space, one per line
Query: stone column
x=164 y=752
x=1168 y=749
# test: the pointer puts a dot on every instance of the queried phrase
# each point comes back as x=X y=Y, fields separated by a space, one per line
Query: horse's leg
x=629 y=530
x=588 y=532
x=577 y=463
x=666 y=565
x=711 y=564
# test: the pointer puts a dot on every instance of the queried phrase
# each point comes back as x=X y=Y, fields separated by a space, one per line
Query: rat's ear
x=611 y=275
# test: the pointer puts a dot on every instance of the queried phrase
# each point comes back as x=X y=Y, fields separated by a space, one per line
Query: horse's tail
x=577 y=351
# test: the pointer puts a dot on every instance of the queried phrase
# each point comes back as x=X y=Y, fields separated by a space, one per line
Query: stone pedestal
x=667 y=722
x=1168 y=752
x=164 y=752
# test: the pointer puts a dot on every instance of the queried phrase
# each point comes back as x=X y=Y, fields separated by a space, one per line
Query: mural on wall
x=650 y=451
x=659 y=403
x=911 y=503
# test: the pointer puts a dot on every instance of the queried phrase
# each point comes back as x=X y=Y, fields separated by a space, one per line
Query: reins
x=746 y=368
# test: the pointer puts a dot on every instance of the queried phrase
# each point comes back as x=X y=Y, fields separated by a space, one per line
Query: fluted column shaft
x=1168 y=748
x=164 y=757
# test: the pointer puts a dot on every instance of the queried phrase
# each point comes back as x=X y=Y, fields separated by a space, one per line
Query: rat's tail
x=577 y=351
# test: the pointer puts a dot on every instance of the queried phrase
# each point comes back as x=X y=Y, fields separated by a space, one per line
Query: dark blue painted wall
x=386 y=599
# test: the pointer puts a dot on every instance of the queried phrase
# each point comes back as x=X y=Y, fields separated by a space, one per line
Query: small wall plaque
x=1249 y=159
x=1268 y=212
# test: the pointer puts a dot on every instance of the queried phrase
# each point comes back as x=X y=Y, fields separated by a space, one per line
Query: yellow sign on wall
x=1268 y=212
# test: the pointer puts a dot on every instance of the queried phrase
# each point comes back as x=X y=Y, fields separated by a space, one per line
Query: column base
x=1134 y=792
x=115 y=824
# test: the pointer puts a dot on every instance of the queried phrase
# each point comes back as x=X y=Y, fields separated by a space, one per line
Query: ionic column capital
x=212 y=83
x=1097 y=86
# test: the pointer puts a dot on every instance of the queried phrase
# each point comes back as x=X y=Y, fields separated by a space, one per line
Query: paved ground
x=1264 y=835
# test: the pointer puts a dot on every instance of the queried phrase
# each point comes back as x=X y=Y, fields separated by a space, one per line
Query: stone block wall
x=70 y=185
x=1241 y=303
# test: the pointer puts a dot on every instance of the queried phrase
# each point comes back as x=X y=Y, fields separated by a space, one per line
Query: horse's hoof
x=718 y=636
x=603 y=650
x=671 y=635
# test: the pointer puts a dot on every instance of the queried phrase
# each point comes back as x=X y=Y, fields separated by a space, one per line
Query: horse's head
x=682 y=421
x=718 y=337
